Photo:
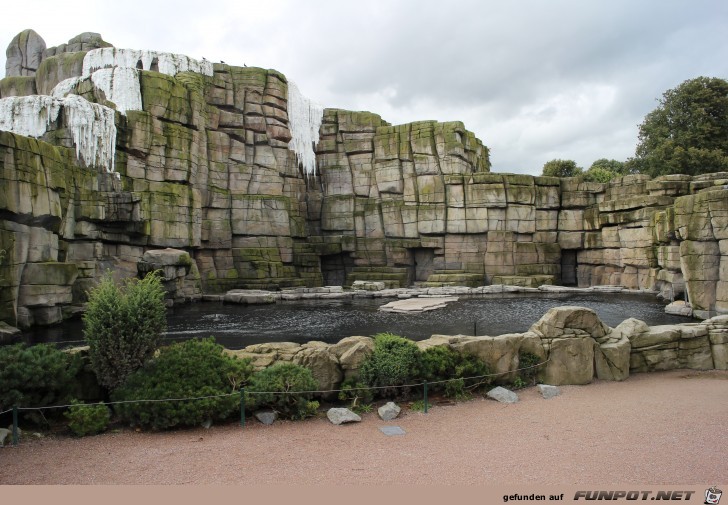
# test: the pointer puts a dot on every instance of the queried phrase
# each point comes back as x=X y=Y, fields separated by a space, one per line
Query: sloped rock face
x=205 y=167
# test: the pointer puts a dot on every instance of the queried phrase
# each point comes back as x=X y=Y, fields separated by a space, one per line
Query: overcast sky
x=535 y=80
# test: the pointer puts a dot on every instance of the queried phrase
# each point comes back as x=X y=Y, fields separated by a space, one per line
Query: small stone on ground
x=266 y=417
x=389 y=411
x=502 y=395
x=341 y=416
x=548 y=391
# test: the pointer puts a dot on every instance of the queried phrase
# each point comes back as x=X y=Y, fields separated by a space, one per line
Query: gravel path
x=658 y=428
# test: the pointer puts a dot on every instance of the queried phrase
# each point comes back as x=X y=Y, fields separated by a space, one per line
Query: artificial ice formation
x=28 y=115
x=121 y=86
x=304 y=121
x=91 y=125
x=113 y=71
x=166 y=63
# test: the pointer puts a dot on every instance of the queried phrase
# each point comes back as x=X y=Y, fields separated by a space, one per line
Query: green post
x=15 y=425
x=425 y=397
x=475 y=328
x=242 y=407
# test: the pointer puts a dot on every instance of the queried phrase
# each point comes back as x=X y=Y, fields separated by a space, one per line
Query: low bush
x=528 y=361
x=357 y=394
x=285 y=388
x=36 y=376
x=442 y=363
x=87 y=419
x=394 y=362
x=191 y=369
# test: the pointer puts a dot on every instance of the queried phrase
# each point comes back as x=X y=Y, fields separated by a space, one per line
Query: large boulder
x=323 y=365
x=571 y=361
x=561 y=321
x=499 y=353
x=351 y=352
x=668 y=347
x=24 y=54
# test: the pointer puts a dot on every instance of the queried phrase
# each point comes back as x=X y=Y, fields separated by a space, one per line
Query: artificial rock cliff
x=205 y=167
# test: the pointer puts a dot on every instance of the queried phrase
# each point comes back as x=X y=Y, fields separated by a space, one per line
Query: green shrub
x=191 y=369
x=122 y=326
x=87 y=419
x=275 y=387
x=357 y=394
x=36 y=376
x=395 y=361
x=419 y=406
x=527 y=377
x=442 y=363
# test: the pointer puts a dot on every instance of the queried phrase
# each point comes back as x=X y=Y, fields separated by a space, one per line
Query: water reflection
x=236 y=326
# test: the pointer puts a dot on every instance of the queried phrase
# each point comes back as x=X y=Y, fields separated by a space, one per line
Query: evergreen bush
x=123 y=325
x=395 y=361
x=441 y=363
x=191 y=369
x=267 y=385
x=87 y=419
x=36 y=376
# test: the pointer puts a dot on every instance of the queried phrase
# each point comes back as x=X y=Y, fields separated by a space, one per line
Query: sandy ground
x=659 y=428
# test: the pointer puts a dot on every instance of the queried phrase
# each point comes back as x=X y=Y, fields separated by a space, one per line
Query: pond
x=236 y=326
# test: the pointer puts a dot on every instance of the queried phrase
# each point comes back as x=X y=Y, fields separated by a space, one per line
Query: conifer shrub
x=87 y=419
x=395 y=361
x=123 y=325
x=441 y=363
x=192 y=369
x=357 y=394
x=283 y=387
x=36 y=376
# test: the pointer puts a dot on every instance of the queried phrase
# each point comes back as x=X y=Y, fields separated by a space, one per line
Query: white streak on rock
x=121 y=86
x=304 y=121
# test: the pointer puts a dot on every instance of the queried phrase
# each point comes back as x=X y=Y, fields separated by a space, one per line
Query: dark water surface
x=236 y=326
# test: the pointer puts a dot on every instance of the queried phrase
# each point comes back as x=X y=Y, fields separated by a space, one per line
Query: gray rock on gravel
x=266 y=417
x=502 y=395
x=341 y=416
x=4 y=435
x=389 y=411
x=548 y=391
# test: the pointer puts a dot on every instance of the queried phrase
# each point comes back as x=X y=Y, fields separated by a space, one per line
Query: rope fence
x=425 y=384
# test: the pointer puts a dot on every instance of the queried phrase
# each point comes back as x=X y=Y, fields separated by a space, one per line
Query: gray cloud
x=534 y=79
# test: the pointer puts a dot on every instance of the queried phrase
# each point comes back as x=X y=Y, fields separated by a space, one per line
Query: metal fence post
x=242 y=407
x=15 y=425
x=425 y=397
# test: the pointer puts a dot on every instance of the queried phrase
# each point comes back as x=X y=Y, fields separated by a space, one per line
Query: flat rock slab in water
x=679 y=308
x=416 y=305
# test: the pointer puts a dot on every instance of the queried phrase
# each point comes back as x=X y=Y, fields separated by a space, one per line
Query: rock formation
x=215 y=161
x=572 y=344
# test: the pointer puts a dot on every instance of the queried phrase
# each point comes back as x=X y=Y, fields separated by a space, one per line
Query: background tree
x=123 y=325
x=688 y=132
x=561 y=168
x=604 y=170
